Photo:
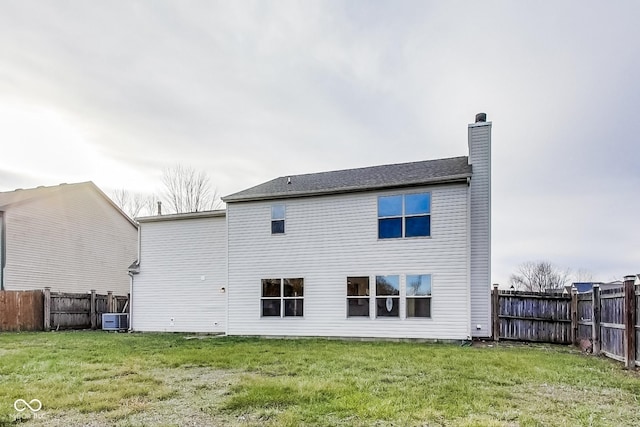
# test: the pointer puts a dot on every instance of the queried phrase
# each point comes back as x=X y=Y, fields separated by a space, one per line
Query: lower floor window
x=282 y=298
x=419 y=295
x=393 y=297
x=358 y=297
x=387 y=296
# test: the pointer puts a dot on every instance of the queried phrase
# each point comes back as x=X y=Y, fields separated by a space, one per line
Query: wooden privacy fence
x=21 y=310
x=45 y=310
x=608 y=319
x=80 y=311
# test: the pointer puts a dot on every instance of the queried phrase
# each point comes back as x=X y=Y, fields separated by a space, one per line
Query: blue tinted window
x=417 y=204
x=389 y=228
x=390 y=206
x=418 y=285
x=418 y=226
x=277 y=212
x=387 y=285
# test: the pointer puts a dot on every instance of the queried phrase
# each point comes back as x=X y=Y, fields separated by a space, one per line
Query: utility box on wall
x=115 y=321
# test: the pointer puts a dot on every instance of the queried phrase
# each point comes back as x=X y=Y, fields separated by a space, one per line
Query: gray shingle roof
x=361 y=179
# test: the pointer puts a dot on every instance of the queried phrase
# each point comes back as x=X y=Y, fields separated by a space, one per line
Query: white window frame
x=401 y=299
x=397 y=298
x=368 y=297
x=281 y=298
x=418 y=297
x=403 y=215
x=283 y=218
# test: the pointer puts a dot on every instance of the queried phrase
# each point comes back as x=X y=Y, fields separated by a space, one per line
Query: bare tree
x=134 y=204
x=187 y=190
x=540 y=276
x=583 y=275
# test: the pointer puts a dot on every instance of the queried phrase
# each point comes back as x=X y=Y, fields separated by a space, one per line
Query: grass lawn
x=97 y=378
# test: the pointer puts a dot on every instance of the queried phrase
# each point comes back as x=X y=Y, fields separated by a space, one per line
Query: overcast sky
x=115 y=91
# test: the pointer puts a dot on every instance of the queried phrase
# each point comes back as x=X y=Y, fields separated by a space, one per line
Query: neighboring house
x=394 y=251
x=179 y=283
x=70 y=237
x=586 y=287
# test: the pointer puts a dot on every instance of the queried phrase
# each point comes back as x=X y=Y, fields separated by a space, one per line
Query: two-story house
x=392 y=251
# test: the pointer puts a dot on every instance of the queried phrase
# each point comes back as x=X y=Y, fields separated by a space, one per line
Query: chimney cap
x=481 y=117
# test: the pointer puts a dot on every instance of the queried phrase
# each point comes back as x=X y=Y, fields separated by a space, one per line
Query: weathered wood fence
x=21 y=310
x=80 y=311
x=609 y=319
x=45 y=310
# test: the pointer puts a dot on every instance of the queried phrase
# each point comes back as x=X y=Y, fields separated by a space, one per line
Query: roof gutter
x=454 y=179
x=179 y=216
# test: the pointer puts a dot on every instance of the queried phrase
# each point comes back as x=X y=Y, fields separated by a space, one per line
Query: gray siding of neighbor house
x=480 y=237
x=71 y=240
x=183 y=269
x=329 y=238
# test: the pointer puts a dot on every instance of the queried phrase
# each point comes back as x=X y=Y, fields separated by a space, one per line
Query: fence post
x=110 y=308
x=93 y=309
x=595 y=319
x=574 y=315
x=629 y=322
x=495 y=313
x=47 y=309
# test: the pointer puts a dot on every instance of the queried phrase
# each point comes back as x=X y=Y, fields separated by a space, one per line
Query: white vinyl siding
x=331 y=238
x=182 y=273
x=71 y=240
x=480 y=223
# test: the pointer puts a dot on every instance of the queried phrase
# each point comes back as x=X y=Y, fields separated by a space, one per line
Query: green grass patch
x=124 y=379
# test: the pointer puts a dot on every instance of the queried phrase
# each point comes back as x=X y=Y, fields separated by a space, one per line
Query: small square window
x=388 y=285
x=418 y=285
x=418 y=226
x=271 y=288
x=389 y=206
x=389 y=228
x=271 y=307
x=417 y=204
x=277 y=227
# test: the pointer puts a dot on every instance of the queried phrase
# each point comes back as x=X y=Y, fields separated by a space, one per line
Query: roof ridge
x=45 y=187
x=374 y=166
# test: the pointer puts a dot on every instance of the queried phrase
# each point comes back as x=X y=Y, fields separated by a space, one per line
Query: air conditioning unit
x=115 y=321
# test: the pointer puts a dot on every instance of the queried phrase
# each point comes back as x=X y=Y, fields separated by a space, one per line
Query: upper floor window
x=407 y=215
x=277 y=219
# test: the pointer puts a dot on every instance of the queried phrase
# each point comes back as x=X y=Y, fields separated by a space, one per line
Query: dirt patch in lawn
x=193 y=398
